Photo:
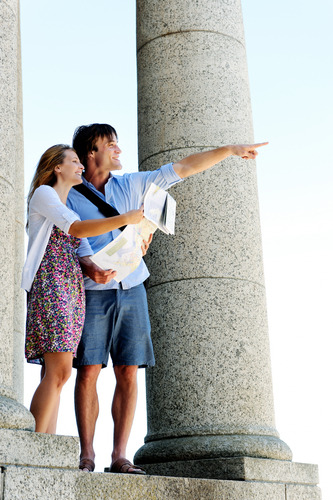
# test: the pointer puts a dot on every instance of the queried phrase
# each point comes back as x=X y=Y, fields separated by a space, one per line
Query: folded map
x=124 y=253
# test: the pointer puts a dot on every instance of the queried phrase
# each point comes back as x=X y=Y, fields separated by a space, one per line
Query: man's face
x=107 y=154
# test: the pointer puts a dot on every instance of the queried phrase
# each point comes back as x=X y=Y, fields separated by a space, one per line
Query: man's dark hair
x=86 y=136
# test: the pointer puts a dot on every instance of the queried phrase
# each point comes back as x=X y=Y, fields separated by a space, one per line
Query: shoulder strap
x=104 y=207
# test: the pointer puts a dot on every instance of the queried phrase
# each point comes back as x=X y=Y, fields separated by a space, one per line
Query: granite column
x=19 y=446
x=13 y=415
x=210 y=394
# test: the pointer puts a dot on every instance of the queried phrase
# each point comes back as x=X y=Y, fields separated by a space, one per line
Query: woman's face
x=70 y=170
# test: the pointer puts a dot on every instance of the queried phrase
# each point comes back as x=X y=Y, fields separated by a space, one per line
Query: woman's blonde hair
x=44 y=174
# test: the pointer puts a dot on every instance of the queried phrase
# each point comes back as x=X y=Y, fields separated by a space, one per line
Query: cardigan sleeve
x=46 y=203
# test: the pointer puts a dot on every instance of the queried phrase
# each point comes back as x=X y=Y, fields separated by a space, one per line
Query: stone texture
x=217 y=399
x=20 y=483
x=210 y=393
x=167 y=17
x=277 y=470
x=300 y=492
x=12 y=414
x=180 y=449
x=19 y=294
x=33 y=484
x=7 y=254
x=240 y=469
x=38 y=450
x=218 y=209
x=193 y=91
x=226 y=390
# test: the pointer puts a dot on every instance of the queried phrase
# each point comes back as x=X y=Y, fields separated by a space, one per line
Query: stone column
x=19 y=447
x=210 y=394
x=13 y=415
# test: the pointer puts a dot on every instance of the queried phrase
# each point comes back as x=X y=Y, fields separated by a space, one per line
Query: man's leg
x=131 y=347
x=93 y=352
x=86 y=408
x=123 y=408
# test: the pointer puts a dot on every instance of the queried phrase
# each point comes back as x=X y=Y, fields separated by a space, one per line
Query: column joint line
x=163 y=35
x=208 y=277
x=2 y=178
x=12 y=10
x=175 y=149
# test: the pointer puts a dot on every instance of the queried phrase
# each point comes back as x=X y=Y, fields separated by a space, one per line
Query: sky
x=79 y=67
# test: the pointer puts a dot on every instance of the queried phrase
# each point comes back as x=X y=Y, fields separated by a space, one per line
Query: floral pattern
x=56 y=302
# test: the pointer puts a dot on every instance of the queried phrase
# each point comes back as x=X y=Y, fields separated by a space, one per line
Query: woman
x=53 y=278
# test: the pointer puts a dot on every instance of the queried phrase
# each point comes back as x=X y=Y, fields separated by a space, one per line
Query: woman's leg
x=45 y=402
x=52 y=427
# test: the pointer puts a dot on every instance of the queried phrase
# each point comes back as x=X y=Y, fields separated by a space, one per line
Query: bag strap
x=104 y=207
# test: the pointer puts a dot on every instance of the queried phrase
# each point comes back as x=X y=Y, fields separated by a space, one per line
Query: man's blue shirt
x=124 y=192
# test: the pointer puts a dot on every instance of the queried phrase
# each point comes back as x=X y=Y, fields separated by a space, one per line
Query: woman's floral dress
x=56 y=302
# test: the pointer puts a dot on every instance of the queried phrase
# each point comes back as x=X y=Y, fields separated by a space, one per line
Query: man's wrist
x=229 y=150
x=85 y=259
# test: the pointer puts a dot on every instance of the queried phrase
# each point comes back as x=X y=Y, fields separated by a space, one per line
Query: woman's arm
x=95 y=227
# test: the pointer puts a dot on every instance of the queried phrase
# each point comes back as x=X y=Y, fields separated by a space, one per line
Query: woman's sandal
x=87 y=465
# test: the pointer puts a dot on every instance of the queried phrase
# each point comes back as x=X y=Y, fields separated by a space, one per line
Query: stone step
x=42 y=466
x=28 y=483
x=239 y=469
x=39 y=450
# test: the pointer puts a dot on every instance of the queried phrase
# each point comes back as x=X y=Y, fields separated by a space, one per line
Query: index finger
x=260 y=144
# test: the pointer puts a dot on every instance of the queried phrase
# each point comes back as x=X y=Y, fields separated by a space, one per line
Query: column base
x=13 y=415
x=238 y=469
x=211 y=447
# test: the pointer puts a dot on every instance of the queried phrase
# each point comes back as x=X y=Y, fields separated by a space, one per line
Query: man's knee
x=126 y=374
x=88 y=375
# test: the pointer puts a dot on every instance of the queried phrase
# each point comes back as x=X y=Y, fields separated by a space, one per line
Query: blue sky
x=79 y=67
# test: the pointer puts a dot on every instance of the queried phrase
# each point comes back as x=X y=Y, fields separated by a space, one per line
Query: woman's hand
x=134 y=216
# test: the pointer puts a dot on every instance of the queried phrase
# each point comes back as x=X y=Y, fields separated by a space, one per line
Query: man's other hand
x=90 y=269
x=145 y=245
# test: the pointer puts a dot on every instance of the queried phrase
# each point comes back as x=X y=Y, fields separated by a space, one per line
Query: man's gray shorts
x=116 y=323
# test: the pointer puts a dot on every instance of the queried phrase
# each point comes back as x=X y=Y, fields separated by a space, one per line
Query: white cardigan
x=45 y=210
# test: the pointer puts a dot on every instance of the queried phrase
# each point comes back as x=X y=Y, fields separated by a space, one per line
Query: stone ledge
x=239 y=469
x=38 y=450
x=33 y=484
x=13 y=415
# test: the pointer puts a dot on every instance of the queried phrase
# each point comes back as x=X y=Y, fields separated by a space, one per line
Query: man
x=117 y=321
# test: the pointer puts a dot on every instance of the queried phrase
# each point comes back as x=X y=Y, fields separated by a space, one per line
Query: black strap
x=104 y=207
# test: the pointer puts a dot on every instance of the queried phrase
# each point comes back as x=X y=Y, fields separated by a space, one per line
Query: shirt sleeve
x=139 y=182
x=164 y=177
x=45 y=202
x=84 y=249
